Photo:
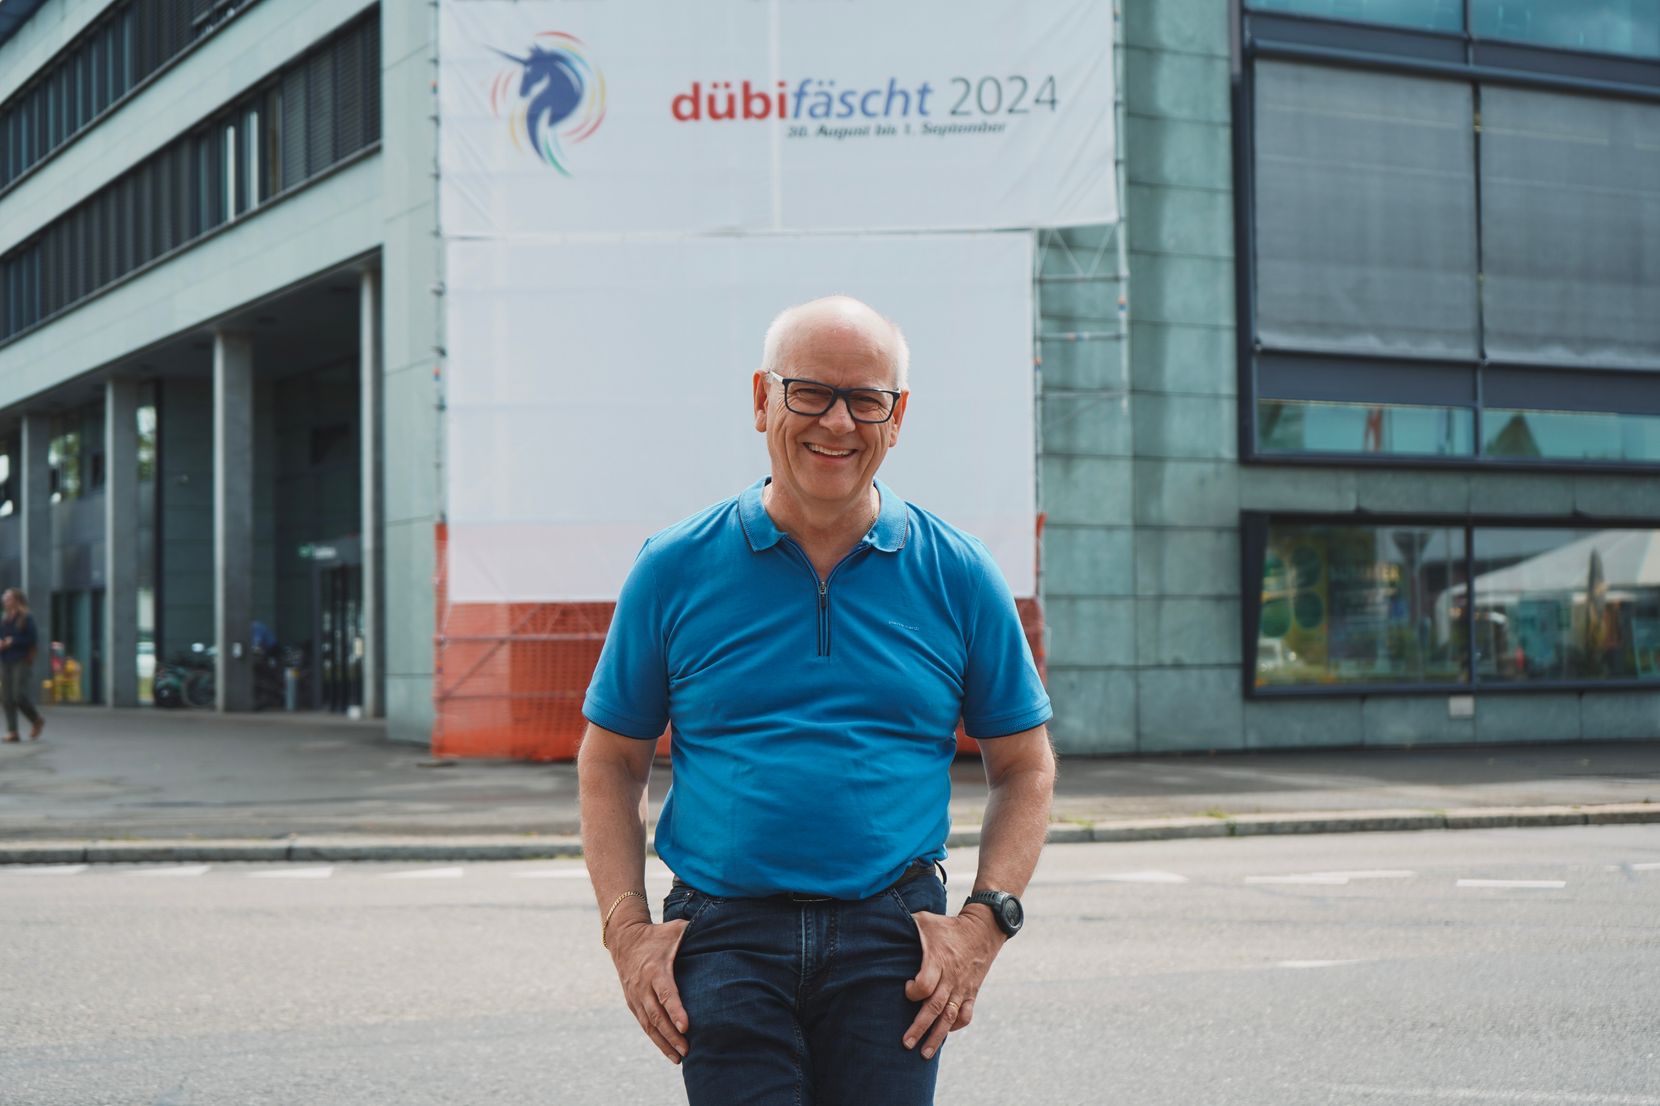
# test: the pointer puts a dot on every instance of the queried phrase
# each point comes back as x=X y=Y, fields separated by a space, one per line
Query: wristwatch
x=1005 y=908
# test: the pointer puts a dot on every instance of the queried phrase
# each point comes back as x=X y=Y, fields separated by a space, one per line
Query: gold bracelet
x=606 y=924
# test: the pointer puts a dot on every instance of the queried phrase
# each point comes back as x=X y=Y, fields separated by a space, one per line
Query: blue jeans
x=802 y=1004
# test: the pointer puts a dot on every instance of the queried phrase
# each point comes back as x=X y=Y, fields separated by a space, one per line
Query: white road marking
x=1375 y=873
x=1315 y=963
x=552 y=873
x=45 y=870
x=427 y=873
x=294 y=873
x=1138 y=877
x=1478 y=1094
x=1652 y=866
x=181 y=870
x=1320 y=877
x=1536 y=884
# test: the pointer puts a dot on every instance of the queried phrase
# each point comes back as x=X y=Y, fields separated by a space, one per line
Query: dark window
x=1446 y=266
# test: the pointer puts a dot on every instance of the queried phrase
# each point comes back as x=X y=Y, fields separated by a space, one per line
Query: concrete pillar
x=35 y=552
x=120 y=542
x=373 y=512
x=233 y=516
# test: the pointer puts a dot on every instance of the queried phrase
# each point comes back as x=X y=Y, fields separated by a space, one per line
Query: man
x=814 y=642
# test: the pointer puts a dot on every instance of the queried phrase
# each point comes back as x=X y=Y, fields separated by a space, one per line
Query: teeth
x=829 y=452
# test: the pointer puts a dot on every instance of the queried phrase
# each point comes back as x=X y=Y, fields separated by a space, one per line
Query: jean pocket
x=687 y=905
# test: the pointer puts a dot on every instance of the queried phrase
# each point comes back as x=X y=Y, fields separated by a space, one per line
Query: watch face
x=1013 y=915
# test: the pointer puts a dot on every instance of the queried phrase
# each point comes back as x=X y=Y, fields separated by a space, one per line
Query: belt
x=917 y=868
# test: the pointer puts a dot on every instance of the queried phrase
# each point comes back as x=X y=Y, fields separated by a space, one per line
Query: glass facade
x=123 y=47
x=1294 y=426
x=1402 y=605
x=1422 y=244
x=1424 y=15
x=1630 y=27
x=1361 y=605
x=1571 y=435
x=274 y=139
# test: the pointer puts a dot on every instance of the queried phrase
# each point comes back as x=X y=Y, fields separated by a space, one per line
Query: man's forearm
x=1016 y=822
x=613 y=828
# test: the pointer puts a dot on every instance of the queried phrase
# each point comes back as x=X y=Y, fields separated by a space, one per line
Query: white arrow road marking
x=45 y=870
x=181 y=870
x=1536 y=884
x=1319 y=877
x=1138 y=877
x=1479 y=1094
x=427 y=873
x=1315 y=963
x=294 y=873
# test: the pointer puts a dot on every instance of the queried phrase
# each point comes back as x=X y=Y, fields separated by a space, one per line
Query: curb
x=406 y=849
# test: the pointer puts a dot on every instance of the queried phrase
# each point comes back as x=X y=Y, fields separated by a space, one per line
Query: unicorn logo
x=560 y=99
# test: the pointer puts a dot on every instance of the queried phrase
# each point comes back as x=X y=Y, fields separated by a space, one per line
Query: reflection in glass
x=1428 y=15
x=1566 y=604
x=1630 y=27
x=1575 y=435
x=1361 y=604
x=1286 y=426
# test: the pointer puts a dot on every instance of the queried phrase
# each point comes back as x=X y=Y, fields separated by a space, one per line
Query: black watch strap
x=1005 y=908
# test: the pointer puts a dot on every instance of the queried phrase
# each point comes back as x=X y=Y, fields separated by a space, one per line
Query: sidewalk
x=191 y=785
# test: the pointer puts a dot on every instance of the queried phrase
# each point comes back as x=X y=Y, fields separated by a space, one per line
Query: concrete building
x=1347 y=430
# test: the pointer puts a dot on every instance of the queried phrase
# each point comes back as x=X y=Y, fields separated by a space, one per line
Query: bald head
x=840 y=319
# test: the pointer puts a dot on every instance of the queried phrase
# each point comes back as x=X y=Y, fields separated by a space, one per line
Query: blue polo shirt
x=814 y=726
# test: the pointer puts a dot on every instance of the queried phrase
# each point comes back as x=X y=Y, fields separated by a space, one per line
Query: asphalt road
x=1362 y=970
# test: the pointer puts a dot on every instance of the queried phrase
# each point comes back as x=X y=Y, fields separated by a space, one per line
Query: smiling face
x=822 y=466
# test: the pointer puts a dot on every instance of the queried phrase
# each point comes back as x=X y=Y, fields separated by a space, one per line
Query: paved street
x=1503 y=966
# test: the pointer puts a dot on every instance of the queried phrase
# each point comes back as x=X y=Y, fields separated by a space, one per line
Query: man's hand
x=644 y=956
x=956 y=955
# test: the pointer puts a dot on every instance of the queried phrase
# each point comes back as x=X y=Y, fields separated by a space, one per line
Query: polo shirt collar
x=888 y=533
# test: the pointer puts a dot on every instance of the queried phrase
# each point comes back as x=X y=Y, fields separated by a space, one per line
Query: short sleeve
x=1002 y=692
x=629 y=693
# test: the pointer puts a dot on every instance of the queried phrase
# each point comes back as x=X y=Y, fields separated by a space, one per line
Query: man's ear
x=898 y=418
x=760 y=386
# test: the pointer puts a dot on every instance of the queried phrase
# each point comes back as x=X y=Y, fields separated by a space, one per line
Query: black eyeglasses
x=810 y=398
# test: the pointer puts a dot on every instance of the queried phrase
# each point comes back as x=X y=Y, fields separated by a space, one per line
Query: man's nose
x=840 y=416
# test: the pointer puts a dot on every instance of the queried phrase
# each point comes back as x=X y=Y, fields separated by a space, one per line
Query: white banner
x=598 y=392
x=746 y=116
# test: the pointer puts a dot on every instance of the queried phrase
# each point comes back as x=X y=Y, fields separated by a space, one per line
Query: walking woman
x=17 y=658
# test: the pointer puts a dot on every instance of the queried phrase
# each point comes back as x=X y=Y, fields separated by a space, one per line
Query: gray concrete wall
x=413 y=329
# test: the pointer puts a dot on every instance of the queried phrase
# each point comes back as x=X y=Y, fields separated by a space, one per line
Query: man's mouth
x=825 y=451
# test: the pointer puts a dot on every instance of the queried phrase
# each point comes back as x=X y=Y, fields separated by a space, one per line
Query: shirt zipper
x=824 y=590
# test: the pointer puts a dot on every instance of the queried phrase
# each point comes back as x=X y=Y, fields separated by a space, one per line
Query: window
x=1599 y=26
x=224 y=169
x=1450 y=605
x=7 y=506
x=1444 y=259
x=96 y=71
x=63 y=461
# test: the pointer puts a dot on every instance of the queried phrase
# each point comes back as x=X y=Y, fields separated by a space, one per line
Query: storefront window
x=1298 y=426
x=63 y=459
x=1361 y=605
x=1566 y=605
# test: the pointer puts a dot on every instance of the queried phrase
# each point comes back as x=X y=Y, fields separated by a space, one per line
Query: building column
x=35 y=552
x=373 y=513
x=233 y=517
x=120 y=542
